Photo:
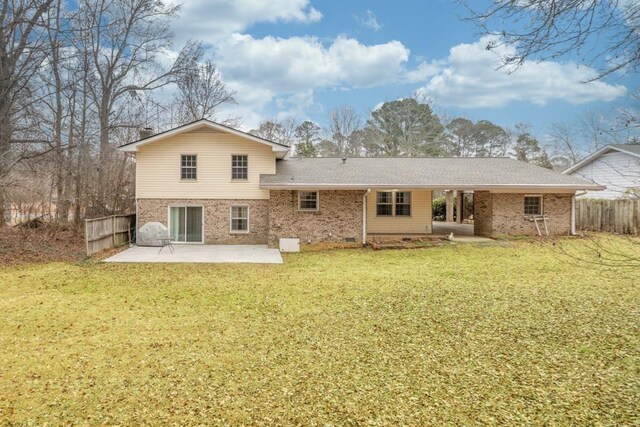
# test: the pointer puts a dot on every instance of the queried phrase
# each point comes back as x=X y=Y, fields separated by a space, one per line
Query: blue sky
x=302 y=58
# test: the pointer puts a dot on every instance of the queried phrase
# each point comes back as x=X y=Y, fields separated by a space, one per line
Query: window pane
x=308 y=200
x=403 y=203
x=194 y=224
x=384 y=206
x=239 y=218
x=403 y=197
x=384 y=197
x=384 y=210
x=403 y=210
x=532 y=205
x=177 y=217
x=239 y=166
x=188 y=167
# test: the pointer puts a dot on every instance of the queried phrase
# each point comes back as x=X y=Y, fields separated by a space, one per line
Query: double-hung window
x=240 y=219
x=188 y=166
x=403 y=203
x=393 y=203
x=384 y=203
x=307 y=200
x=239 y=166
x=533 y=205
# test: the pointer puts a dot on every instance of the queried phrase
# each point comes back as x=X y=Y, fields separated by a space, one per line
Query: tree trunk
x=6 y=131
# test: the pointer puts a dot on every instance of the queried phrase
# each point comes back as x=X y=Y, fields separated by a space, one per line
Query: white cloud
x=470 y=77
x=423 y=71
x=210 y=20
x=302 y=63
x=369 y=21
x=288 y=71
x=285 y=72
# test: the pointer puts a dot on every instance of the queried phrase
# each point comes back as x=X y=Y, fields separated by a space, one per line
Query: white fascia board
x=488 y=187
x=593 y=156
x=133 y=147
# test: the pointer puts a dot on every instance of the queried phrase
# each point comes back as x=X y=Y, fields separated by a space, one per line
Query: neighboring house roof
x=132 y=147
x=630 y=149
x=466 y=173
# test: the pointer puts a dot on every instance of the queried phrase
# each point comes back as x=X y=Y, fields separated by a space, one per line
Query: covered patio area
x=250 y=254
x=442 y=228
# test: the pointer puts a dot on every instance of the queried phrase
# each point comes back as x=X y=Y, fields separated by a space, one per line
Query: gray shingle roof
x=431 y=172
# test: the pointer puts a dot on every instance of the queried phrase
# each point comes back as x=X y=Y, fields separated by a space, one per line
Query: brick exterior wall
x=216 y=217
x=482 y=213
x=339 y=217
x=498 y=214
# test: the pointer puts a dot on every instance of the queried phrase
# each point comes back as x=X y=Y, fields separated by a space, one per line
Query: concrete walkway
x=256 y=254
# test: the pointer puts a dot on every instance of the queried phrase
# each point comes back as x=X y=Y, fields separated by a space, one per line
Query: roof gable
x=630 y=149
x=280 y=149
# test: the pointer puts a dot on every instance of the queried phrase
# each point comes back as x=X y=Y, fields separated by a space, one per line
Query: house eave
x=593 y=156
x=133 y=147
x=548 y=188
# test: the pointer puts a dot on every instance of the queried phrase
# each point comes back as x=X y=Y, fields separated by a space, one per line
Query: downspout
x=573 y=211
x=364 y=217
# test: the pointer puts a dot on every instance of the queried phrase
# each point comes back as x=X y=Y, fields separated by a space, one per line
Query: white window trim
x=317 y=200
x=541 y=197
x=239 y=179
x=231 y=230
x=177 y=242
x=180 y=169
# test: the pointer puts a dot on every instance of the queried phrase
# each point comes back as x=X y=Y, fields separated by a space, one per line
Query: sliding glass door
x=185 y=223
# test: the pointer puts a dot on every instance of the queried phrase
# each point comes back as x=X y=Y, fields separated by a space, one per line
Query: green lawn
x=509 y=334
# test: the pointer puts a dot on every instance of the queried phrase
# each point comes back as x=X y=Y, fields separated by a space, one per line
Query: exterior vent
x=350 y=239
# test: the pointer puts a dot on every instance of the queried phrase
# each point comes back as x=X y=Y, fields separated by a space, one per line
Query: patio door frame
x=180 y=242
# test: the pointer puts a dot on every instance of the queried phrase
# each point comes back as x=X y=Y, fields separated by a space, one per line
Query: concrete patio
x=461 y=232
x=252 y=254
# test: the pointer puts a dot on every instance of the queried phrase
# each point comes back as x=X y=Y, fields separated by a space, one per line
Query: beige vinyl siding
x=418 y=222
x=158 y=167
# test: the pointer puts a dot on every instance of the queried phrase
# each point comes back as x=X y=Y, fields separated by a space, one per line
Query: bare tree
x=606 y=33
x=22 y=51
x=123 y=39
x=343 y=124
x=201 y=92
x=280 y=131
x=564 y=145
x=598 y=129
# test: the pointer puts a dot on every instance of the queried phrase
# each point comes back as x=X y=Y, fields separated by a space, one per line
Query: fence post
x=86 y=235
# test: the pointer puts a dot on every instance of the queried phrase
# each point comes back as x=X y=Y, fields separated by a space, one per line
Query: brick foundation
x=338 y=219
x=497 y=214
x=216 y=216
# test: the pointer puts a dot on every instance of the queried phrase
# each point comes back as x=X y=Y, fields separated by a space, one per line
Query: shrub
x=439 y=208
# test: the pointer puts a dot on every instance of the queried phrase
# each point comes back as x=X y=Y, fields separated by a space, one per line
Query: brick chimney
x=146 y=133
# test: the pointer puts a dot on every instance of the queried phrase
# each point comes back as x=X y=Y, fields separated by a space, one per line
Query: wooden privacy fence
x=109 y=232
x=616 y=216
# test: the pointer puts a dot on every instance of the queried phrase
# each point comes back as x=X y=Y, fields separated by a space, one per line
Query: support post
x=449 y=205
x=459 y=206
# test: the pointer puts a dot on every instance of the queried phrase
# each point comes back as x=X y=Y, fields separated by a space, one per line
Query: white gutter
x=364 y=217
x=495 y=187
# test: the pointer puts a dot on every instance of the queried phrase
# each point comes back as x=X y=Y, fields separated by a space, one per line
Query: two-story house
x=212 y=184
